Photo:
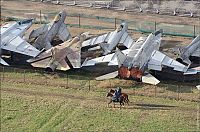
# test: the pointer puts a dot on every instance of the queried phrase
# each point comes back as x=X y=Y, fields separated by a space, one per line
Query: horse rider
x=117 y=94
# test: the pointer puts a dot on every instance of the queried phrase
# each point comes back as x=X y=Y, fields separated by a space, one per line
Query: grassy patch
x=39 y=107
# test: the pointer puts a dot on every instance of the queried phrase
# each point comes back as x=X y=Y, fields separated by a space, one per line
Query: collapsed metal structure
x=136 y=62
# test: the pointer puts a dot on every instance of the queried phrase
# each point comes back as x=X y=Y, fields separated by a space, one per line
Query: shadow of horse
x=150 y=107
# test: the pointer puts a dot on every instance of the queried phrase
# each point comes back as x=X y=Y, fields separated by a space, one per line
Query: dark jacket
x=116 y=94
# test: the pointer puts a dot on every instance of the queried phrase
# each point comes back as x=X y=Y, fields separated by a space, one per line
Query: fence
x=76 y=80
x=104 y=23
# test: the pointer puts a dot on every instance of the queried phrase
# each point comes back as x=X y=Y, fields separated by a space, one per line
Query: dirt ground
x=27 y=5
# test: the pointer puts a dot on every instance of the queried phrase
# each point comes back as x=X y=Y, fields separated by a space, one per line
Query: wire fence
x=102 y=23
x=87 y=82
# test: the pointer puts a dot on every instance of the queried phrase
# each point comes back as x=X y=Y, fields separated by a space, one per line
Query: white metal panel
x=21 y=46
x=94 y=48
x=86 y=43
x=100 y=39
x=167 y=61
x=190 y=71
x=136 y=46
x=178 y=66
x=108 y=76
x=108 y=36
x=89 y=63
x=158 y=56
x=6 y=40
x=153 y=66
x=126 y=51
x=7 y=27
x=138 y=43
x=149 y=79
x=113 y=62
x=92 y=42
x=94 y=61
x=128 y=42
x=95 y=40
x=132 y=53
x=63 y=32
x=107 y=58
x=123 y=38
x=196 y=53
x=18 y=30
x=3 y=62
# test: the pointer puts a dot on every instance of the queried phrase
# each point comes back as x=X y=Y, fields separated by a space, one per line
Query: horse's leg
x=109 y=102
x=123 y=100
x=114 y=104
x=121 y=104
x=127 y=101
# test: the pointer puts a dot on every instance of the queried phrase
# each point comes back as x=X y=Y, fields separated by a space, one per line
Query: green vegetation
x=30 y=107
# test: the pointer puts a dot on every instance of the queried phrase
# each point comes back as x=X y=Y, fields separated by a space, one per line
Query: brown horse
x=122 y=99
x=124 y=95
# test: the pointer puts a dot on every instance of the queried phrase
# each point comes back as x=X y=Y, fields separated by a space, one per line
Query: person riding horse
x=117 y=94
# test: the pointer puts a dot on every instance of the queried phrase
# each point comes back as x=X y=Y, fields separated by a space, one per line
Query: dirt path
x=34 y=93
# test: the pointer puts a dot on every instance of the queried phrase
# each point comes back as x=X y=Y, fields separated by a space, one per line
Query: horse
x=122 y=99
x=124 y=95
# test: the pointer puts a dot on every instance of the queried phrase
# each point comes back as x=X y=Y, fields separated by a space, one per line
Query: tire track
x=36 y=93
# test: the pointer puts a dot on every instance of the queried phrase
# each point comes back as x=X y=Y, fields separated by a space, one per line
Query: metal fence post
x=134 y=91
x=166 y=93
x=115 y=23
x=194 y=31
x=89 y=84
x=46 y=80
x=3 y=74
x=40 y=17
x=198 y=115
x=67 y=81
x=198 y=110
x=79 y=20
x=24 y=75
x=155 y=26
x=178 y=92
x=192 y=98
